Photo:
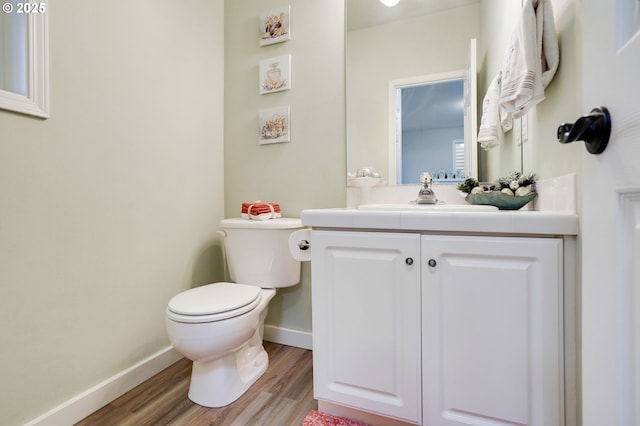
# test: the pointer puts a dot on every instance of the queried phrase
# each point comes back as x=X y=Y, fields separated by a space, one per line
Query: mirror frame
x=36 y=101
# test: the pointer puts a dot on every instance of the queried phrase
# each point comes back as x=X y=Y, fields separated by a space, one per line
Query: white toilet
x=220 y=326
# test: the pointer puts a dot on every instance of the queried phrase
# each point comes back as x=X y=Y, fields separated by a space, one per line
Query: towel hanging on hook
x=531 y=61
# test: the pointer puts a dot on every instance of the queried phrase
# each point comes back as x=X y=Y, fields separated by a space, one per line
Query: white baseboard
x=91 y=400
x=287 y=336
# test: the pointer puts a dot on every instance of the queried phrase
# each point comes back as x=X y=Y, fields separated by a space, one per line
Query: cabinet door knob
x=432 y=263
x=409 y=261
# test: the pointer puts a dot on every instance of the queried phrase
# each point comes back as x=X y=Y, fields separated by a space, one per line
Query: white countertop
x=494 y=222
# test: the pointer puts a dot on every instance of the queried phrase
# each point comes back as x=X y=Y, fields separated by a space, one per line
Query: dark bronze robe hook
x=594 y=129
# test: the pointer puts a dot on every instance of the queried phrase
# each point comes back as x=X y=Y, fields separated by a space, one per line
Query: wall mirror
x=393 y=63
x=24 y=73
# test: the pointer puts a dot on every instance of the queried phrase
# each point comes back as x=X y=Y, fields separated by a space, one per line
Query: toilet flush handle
x=304 y=245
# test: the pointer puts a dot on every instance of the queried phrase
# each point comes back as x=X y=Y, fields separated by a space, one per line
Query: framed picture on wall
x=274 y=125
x=275 y=74
x=275 y=26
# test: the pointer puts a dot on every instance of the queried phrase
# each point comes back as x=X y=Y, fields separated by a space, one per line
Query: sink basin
x=428 y=207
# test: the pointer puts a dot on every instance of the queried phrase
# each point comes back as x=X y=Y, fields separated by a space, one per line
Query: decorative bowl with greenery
x=507 y=193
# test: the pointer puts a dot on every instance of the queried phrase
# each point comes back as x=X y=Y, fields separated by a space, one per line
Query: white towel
x=490 y=133
x=547 y=41
x=531 y=60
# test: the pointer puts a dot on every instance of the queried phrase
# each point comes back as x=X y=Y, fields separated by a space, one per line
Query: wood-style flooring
x=281 y=397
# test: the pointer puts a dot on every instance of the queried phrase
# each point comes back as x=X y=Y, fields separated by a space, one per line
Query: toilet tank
x=257 y=251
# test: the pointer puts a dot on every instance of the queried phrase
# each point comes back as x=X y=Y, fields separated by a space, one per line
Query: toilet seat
x=213 y=302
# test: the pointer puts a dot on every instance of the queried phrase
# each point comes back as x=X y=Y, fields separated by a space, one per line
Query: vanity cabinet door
x=492 y=331
x=366 y=321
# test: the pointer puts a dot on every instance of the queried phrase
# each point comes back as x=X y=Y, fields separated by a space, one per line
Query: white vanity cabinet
x=439 y=330
x=366 y=321
x=492 y=331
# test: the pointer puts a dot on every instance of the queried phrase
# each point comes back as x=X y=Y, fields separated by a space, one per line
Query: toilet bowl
x=220 y=326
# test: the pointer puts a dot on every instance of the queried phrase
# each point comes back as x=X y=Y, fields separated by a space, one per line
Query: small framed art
x=275 y=74
x=275 y=26
x=274 y=125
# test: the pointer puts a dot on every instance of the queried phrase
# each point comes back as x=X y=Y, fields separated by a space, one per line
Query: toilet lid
x=213 y=299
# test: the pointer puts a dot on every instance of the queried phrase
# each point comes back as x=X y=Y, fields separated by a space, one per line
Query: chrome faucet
x=426 y=194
